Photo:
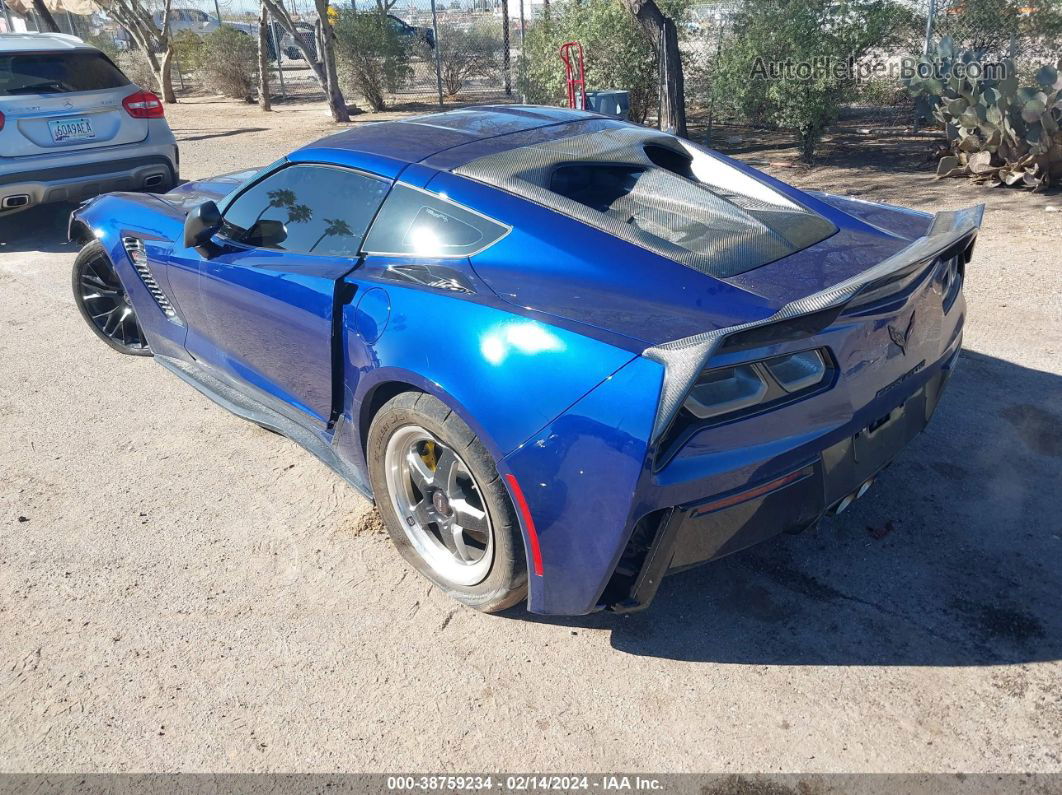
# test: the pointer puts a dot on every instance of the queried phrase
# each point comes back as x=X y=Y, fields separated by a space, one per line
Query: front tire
x=443 y=503
x=103 y=302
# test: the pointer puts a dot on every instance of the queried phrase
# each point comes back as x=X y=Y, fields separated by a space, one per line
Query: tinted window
x=57 y=73
x=308 y=210
x=419 y=224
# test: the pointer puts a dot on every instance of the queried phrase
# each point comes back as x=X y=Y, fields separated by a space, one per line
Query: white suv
x=72 y=125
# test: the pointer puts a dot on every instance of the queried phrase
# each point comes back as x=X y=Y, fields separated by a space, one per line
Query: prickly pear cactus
x=999 y=133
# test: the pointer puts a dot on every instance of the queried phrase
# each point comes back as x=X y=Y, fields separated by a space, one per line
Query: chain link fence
x=457 y=52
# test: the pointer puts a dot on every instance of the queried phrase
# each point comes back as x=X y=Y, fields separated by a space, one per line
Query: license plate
x=71 y=130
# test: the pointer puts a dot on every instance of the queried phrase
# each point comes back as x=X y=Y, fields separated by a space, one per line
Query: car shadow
x=182 y=138
x=41 y=228
x=954 y=557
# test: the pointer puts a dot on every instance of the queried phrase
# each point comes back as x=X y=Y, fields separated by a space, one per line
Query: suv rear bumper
x=157 y=172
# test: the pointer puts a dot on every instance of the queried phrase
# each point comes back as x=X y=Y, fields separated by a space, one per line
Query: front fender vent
x=134 y=247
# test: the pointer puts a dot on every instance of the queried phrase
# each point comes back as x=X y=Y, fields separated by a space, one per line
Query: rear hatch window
x=57 y=73
x=661 y=193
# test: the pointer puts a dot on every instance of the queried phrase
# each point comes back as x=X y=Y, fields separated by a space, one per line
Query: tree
x=663 y=37
x=263 y=59
x=324 y=70
x=138 y=23
x=467 y=54
x=375 y=60
x=778 y=64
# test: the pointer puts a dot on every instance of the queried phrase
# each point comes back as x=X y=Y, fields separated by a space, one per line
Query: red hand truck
x=575 y=100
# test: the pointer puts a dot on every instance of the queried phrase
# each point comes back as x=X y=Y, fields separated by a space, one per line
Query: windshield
x=661 y=193
x=57 y=73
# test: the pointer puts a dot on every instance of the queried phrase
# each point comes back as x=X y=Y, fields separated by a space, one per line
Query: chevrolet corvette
x=566 y=355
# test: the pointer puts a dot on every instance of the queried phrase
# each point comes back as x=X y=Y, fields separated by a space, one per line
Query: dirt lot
x=180 y=590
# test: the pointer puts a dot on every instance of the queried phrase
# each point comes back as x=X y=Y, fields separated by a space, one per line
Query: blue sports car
x=566 y=355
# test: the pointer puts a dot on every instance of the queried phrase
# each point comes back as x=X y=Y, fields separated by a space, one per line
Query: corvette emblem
x=901 y=338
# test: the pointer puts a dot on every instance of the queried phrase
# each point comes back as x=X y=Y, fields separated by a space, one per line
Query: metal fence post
x=276 y=51
x=506 y=49
x=438 y=66
x=931 y=18
x=217 y=10
x=523 y=55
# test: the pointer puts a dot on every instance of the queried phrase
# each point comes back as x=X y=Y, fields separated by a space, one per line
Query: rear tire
x=102 y=301
x=443 y=503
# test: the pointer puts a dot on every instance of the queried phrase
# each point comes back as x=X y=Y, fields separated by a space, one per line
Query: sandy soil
x=180 y=590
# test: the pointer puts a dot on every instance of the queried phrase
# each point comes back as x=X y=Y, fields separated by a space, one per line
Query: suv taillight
x=1 y=121
x=143 y=105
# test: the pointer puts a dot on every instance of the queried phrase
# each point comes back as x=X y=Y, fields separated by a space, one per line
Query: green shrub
x=468 y=54
x=373 y=60
x=229 y=62
x=104 y=42
x=824 y=32
x=188 y=51
x=617 y=53
x=137 y=68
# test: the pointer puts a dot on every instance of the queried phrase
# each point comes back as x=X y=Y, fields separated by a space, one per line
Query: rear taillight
x=1 y=121
x=143 y=105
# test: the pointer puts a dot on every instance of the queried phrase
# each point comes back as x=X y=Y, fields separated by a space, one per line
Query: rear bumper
x=147 y=166
x=703 y=531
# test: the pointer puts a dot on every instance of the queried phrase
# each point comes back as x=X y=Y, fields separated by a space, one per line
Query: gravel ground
x=180 y=590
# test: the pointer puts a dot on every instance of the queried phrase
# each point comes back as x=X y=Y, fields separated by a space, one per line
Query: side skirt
x=248 y=408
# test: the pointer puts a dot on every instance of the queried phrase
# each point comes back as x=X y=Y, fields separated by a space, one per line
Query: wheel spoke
x=445 y=470
x=457 y=538
x=470 y=517
x=419 y=472
x=421 y=513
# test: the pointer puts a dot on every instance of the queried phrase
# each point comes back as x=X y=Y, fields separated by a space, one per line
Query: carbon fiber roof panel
x=722 y=222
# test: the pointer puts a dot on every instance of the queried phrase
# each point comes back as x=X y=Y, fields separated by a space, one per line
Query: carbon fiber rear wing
x=685 y=359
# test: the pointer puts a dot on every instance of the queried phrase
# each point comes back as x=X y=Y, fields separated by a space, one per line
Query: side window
x=306 y=209
x=419 y=224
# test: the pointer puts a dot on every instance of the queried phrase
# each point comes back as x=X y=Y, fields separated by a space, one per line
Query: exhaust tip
x=17 y=200
x=154 y=180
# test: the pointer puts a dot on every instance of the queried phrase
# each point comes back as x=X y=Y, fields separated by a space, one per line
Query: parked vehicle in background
x=187 y=19
x=287 y=42
x=73 y=126
x=411 y=33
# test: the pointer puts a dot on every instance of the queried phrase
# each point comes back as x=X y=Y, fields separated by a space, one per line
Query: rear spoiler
x=685 y=359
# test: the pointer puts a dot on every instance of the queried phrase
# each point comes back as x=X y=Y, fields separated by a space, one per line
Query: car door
x=267 y=295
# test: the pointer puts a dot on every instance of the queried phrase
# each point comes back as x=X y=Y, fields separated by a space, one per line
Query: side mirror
x=266 y=233
x=201 y=224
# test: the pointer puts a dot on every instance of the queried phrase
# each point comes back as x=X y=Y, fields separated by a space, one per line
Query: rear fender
x=505 y=375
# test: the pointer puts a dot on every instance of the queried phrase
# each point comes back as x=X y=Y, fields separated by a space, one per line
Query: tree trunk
x=663 y=36
x=281 y=15
x=165 y=77
x=263 y=59
x=46 y=16
x=327 y=45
